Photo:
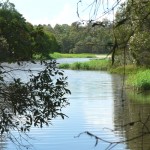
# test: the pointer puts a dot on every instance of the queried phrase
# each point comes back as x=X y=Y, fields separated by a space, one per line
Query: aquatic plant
x=140 y=80
x=95 y=64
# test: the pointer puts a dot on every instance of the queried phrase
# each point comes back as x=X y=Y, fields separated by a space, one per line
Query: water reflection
x=95 y=104
x=99 y=101
x=138 y=111
x=91 y=109
x=129 y=116
x=2 y=143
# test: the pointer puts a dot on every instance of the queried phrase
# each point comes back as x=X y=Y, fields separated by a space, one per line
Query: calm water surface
x=95 y=106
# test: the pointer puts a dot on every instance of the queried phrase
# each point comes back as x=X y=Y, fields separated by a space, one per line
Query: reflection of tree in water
x=2 y=142
x=32 y=103
x=118 y=107
x=131 y=119
x=138 y=111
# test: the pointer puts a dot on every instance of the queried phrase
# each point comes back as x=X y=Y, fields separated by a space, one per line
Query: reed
x=95 y=64
x=140 y=81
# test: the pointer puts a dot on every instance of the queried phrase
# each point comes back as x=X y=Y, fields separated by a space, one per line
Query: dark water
x=96 y=106
x=136 y=109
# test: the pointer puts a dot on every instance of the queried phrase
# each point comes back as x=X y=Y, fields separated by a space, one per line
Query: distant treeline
x=79 y=38
x=127 y=37
x=17 y=37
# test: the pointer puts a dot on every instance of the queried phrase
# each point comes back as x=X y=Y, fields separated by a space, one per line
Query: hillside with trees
x=79 y=38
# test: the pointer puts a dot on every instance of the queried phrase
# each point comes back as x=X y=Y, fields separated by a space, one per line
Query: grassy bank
x=140 y=81
x=89 y=65
x=56 y=55
x=138 y=78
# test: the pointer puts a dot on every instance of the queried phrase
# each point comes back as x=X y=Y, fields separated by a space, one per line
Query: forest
x=128 y=34
x=43 y=39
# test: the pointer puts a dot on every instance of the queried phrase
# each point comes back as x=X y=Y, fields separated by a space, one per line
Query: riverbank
x=95 y=64
x=138 y=78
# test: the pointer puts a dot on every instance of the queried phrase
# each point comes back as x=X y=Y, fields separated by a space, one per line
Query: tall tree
x=15 y=31
x=36 y=101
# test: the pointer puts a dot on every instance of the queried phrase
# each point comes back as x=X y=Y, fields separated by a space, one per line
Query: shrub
x=140 y=80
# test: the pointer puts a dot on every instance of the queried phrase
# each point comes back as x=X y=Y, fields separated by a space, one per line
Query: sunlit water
x=93 y=108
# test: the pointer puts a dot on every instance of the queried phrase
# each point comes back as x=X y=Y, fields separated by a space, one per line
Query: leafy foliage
x=140 y=80
x=139 y=47
x=27 y=103
x=44 y=42
x=35 y=102
x=15 y=31
x=20 y=39
x=82 y=39
x=132 y=27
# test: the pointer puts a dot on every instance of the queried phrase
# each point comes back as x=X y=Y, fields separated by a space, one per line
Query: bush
x=140 y=80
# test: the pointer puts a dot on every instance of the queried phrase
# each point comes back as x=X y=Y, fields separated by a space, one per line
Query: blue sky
x=52 y=11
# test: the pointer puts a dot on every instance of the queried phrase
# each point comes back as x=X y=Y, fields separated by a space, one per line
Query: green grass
x=137 y=78
x=89 y=65
x=140 y=81
x=56 y=55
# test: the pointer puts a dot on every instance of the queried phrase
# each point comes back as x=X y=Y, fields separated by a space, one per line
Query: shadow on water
x=131 y=117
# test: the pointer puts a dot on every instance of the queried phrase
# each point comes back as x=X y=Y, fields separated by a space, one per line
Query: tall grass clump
x=96 y=65
x=140 y=80
x=64 y=66
x=89 y=65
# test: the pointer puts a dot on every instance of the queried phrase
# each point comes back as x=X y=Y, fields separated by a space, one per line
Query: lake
x=97 y=106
